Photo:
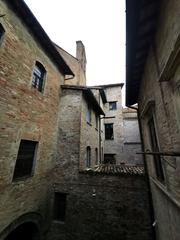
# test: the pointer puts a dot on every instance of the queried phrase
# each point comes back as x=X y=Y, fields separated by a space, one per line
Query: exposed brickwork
x=25 y=114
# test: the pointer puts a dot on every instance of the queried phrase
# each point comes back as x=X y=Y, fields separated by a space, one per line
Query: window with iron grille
x=112 y=105
x=109 y=135
x=25 y=159
x=155 y=148
x=38 y=77
x=2 y=31
x=59 y=211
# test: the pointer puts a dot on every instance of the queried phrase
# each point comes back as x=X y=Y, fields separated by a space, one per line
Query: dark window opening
x=97 y=120
x=112 y=105
x=155 y=148
x=28 y=231
x=96 y=153
x=38 y=76
x=109 y=135
x=88 y=157
x=25 y=159
x=88 y=114
x=59 y=206
x=2 y=31
x=109 y=158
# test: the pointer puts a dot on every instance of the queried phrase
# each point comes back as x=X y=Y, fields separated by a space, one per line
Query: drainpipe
x=146 y=175
x=100 y=159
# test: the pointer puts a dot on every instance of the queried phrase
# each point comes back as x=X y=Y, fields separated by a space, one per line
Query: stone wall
x=89 y=136
x=114 y=146
x=159 y=97
x=104 y=207
x=131 y=142
x=28 y=114
x=75 y=65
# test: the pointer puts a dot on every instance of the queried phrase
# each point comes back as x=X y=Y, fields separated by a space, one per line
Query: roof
x=21 y=9
x=110 y=169
x=141 y=21
x=88 y=95
x=111 y=85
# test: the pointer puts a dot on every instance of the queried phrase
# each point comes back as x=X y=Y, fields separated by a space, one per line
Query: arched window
x=96 y=154
x=2 y=31
x=38 y=77
x=88 y=157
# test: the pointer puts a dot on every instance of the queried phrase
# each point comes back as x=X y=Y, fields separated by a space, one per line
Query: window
x=109 y=158
x=2 y=31
x=97 y=120
x=96 y=154
x=25 y=159
x=59 y=210
x=109 y=135
x=112 y=106
x=88 y=114
x=155 y=148
x=38 y=77
x=88 y=157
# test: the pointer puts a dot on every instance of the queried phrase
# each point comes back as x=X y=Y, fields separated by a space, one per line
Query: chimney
x=81 y=55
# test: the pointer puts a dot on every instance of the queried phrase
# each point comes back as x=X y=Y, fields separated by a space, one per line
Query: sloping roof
x=110 y=85
x=141 y=21
x=116 y=169
x=88 y=95
x=21 y=9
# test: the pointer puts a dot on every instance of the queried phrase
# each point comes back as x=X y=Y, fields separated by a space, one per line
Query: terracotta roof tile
x=116 y=169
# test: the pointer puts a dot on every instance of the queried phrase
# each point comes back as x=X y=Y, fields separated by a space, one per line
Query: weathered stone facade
x=104 y=207
x=131 y=141
x=27 y=114
x=158 y=101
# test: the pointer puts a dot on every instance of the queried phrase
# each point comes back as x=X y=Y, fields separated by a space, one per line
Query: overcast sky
x=99 y=24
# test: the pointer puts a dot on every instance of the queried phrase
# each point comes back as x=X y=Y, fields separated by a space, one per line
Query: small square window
x=25 y=159
x=112 y=105
x=109 y=159
x=59 y=206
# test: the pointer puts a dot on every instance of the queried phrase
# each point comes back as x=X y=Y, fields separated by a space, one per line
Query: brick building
x=31 y=72
x=153 y=80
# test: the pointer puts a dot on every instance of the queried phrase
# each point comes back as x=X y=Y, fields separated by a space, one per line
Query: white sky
x=99 y=24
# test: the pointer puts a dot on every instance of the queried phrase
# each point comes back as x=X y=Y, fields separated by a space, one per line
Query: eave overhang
x=23 y=12
x=88 y=96
x=141 y=21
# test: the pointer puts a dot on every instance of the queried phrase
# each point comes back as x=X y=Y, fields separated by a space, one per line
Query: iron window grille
x=38 y=77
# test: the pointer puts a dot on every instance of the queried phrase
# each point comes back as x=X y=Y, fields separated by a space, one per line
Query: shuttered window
x=25 y=159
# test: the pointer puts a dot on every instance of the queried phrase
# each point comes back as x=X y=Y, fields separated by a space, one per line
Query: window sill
x=59 y=222
x=89 y=123
x=22 y=179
